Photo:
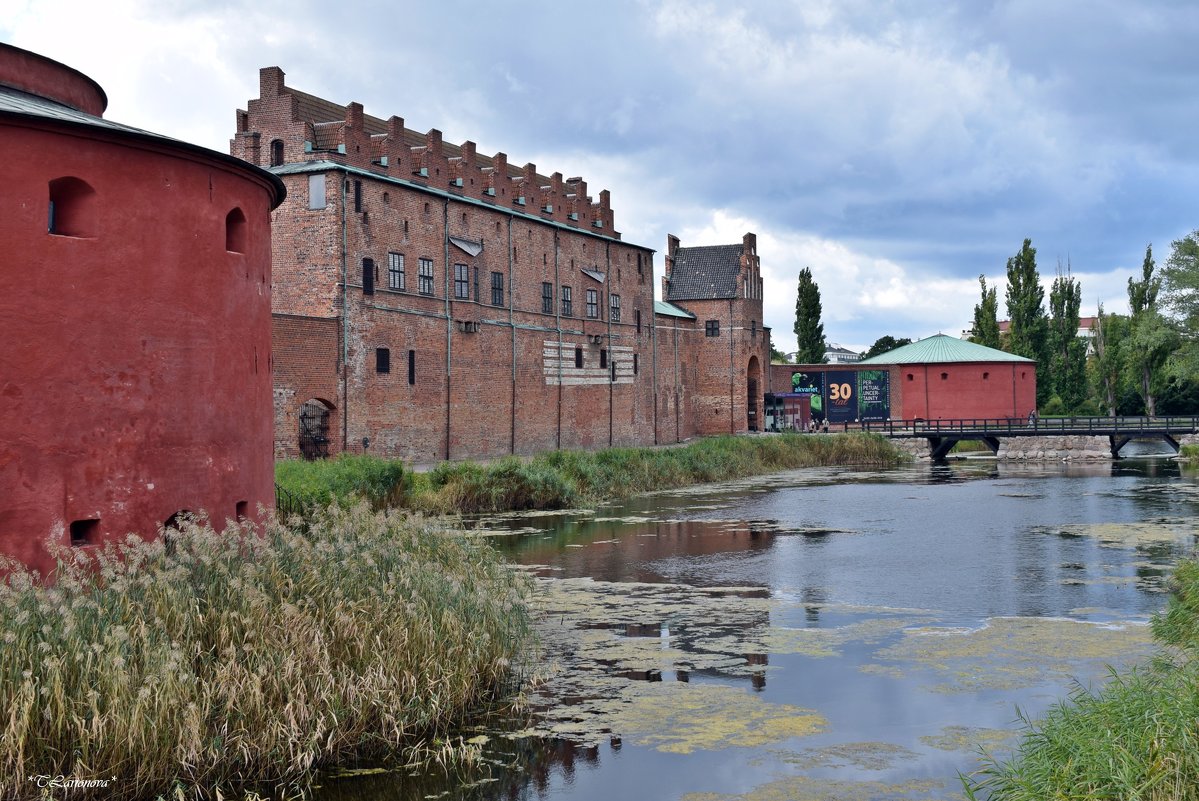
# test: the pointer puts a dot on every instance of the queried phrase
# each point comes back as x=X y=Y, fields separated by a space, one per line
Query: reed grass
x=252 y=658
x=561 y=479
x=1136 y=739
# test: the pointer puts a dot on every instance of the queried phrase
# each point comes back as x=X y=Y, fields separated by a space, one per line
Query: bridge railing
x=1096 y=426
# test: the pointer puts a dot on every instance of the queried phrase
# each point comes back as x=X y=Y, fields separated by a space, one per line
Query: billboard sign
x=812 y=385
x=841 y=395
x=874 y=395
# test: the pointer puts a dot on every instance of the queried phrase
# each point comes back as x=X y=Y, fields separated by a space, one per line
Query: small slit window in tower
x=72 y=210
x=368 y=276
x=382 y=360
x=276 y=152
x=85 y=532
x=579 y=358
x=411 y=367
x=235 y=231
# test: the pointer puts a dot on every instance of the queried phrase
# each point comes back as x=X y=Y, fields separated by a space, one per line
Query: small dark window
x=497 y=289
x=712 y=328
x=368 y=276
x=462 y=282
x=235 y=231
x=476 y=285
x=578 y=357
x=614 y=308
x=566 y=304
x=85 y=532
x=637 y=316
x=547 y=297
x=382 y=360
x=411 y=367
x=426 y=208
x=603 y=358
x=276 y=152
x=986 y=376
x=357 y=195
x=944 y=376
x=634 y=364
x=395 y=271
x=638 y=264
x=242 y=511
x=386 y=199
x=464 y=218
x=592 y=303
x=753 y=328
x=911 y=377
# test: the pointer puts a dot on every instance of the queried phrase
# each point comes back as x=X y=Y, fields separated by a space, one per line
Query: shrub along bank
x=561 y=479
x=1137 y=739
x=218 y=660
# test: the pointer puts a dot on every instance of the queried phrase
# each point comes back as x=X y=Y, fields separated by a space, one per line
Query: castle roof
x=706 y=272
x=943 y=349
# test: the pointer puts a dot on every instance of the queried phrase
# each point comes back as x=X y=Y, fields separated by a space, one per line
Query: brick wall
x=304 y=366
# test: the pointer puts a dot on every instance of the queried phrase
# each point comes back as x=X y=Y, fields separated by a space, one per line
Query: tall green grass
x=344 y=481
x=560 y=479
x=1137 y=739
x=240 y=657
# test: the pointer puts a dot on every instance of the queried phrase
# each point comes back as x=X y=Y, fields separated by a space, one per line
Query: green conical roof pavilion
x=943 y=349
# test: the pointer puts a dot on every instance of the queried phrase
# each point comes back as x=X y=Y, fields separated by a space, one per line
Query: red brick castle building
x=434 y=303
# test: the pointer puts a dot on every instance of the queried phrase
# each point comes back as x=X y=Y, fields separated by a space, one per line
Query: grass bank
x=252 y=659
x=562 y=479
x=1136 y=739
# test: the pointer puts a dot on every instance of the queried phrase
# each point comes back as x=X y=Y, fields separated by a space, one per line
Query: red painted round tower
x=135 y=309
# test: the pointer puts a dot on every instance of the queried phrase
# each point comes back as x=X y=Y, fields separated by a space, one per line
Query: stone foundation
x=1049 y=448
x=1055 y=448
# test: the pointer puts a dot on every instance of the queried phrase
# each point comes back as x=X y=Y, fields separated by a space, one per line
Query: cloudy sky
x=900 y=150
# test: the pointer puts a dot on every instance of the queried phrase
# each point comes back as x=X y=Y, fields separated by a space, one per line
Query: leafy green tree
x=1180 y=281
x=1151 y=339
x=1108 y=364
x=885 y=343
x=1028 y=330
x=809 y=331
x=776 y=355
x=986 y=317
x=1067 y=351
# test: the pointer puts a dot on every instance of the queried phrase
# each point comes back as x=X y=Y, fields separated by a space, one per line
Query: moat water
x=822 y=634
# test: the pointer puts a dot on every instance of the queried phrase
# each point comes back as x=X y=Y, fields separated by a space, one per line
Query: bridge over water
x=942 y=435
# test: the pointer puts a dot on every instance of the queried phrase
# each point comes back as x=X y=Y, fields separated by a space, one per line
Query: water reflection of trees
x=515 y=770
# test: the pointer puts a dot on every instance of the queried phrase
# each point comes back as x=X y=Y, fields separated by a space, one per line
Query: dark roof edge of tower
x=16 y=103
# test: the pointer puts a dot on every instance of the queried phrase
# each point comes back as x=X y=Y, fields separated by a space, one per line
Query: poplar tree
x=1111 y=332
x=986 y=317
x=1028 y=329
x=809 y=331
x=1151 y=339
x=1067 y=351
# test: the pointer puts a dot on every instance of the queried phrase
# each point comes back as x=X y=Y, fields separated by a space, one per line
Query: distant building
x=940 y=377
x=835 y=354
x=135 y=310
